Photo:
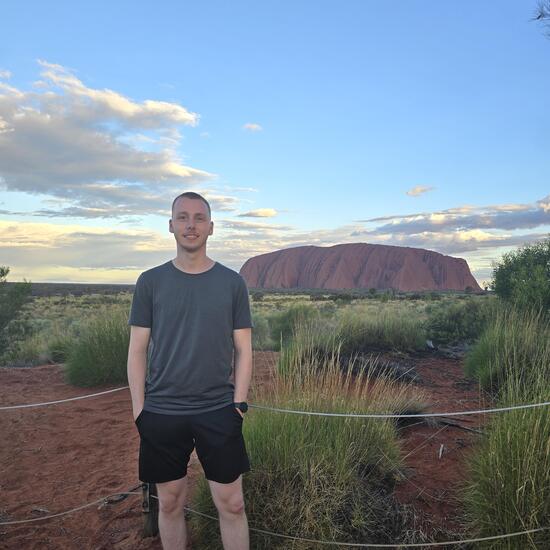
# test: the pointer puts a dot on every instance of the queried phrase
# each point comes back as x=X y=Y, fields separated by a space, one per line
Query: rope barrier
x=4 y=408
x=310 y=413
x=368 y=545
x=421 y=415
x=282 y=535
x=103 y=499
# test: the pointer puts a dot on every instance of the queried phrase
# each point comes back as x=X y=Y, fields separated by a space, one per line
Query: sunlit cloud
x=497 y=217
x=106 y=155
x=252 y=127
x=259 y=213
x=419 y=190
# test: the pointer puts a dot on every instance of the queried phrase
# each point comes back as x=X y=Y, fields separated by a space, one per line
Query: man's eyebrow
x=196 y=214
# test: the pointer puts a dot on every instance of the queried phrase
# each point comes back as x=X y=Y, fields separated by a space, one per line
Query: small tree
x=11 y=301
x=523 y=276
x=542 y=14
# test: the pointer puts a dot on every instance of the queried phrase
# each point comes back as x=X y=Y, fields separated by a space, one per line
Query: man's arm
x=137 y=366
x=242 y=343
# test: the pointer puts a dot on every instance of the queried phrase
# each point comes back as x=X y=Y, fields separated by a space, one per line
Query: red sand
x=61 y=456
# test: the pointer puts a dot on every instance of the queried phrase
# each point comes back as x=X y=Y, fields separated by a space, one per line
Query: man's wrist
x=241 y=405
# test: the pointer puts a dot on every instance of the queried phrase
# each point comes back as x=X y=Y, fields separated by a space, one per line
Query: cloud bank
x=100 y=153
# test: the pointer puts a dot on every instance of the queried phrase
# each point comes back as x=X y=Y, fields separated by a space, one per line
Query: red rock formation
x=358 y=265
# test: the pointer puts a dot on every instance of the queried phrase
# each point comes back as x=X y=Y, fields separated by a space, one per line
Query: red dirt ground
x=58 y=457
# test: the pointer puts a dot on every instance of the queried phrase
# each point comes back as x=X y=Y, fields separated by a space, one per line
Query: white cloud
x=108 y=103
x=259 y=213
x=252 y=127
x=497 y=217
x=104 y=153
x=419 y=190
x=5 y=74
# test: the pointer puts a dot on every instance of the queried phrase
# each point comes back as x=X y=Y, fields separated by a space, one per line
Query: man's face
x=191 y=224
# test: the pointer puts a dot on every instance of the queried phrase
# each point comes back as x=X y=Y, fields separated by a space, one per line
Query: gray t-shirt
x=192 y=318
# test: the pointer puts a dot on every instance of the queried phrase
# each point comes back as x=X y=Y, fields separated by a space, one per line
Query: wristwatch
x=242 y=406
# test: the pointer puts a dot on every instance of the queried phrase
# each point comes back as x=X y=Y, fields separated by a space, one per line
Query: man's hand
x=138 y=413
x=239 y=411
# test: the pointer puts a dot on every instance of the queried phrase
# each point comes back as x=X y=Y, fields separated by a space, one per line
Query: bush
x=59 y=348
x=385 y=330
x=100 y=354
x=283 y=324
x=456 y=322
x=11 y=302
x=523 y=276
x=257 y=296
x=261 y=334
x=508 y=487
x=318 y=477
x=516 y=341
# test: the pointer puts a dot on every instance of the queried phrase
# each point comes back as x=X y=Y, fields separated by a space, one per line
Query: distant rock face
x=358 y=265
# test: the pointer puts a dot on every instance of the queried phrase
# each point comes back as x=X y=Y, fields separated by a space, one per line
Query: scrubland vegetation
x=331 y=478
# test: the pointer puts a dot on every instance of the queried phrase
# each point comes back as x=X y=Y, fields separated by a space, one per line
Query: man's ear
x=170 y=227
x=211 y=228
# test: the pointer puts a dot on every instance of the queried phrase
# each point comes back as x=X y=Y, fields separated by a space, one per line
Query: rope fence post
x=150 y=509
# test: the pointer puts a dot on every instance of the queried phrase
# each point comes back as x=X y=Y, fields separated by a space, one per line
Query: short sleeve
x=241 y=306
x=141 y=312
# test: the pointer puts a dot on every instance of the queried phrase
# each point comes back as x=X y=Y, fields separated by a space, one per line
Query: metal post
x=150 y=509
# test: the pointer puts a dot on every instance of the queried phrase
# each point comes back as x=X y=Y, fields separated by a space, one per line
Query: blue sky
x=412 y=123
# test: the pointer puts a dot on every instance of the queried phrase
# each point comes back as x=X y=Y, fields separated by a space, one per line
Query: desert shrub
x=261 y=333
x=59 y=347
x=323 y=478
x=522 y=276
x=508 y=488
x=99 y=355
x=464 y=321
x=384 y=330
x=517 y=341
x=12 y=299
x=283 y=323
x=26 y=353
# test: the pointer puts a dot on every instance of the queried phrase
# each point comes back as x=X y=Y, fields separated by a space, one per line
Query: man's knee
x=230 y=505
x=228 y=498
x=172 y=495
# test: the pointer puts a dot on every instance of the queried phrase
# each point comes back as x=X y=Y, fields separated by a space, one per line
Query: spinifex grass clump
x=516 y=342
x=100 y=353
x=454 y=322
x=509 y=475
x=326 y=478
x=386 y=329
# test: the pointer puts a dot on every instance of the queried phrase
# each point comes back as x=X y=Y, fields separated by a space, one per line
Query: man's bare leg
x=228 y=498
x=172 y=529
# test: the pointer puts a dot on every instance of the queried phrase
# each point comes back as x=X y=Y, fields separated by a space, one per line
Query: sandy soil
x=61 y=456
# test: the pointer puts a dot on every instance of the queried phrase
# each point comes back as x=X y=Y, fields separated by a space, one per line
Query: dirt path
x=58 y=457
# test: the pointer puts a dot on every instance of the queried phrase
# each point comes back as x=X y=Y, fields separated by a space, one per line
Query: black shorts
x=167 y=441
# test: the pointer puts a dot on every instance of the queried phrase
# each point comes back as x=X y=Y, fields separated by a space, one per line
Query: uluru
x=358 y=265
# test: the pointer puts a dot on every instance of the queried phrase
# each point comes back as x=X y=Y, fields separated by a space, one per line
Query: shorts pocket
x=236 y=412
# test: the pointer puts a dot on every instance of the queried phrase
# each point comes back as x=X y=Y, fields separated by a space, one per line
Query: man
x=188 y=316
